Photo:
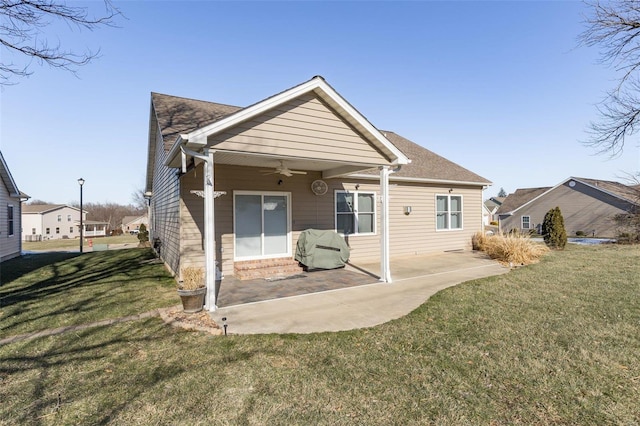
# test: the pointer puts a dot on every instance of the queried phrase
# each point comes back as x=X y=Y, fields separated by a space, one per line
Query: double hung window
x=448 y=212
x=355 y=212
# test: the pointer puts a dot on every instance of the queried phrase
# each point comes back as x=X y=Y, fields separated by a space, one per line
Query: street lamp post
x=81 y=182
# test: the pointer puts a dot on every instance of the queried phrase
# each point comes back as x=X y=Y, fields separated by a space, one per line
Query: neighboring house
x=10 y=214
x=587 y=205
x=491 y=205
x=94 y=228
x=57 y=221
x=232 y=186
x=131 y=224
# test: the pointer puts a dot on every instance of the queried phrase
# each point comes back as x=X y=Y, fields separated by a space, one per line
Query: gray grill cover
x=321 y=249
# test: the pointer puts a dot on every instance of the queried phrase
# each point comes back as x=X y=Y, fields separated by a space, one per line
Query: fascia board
x=421 y=180
x=317 y=84
x=11 y=184
x=175 y=150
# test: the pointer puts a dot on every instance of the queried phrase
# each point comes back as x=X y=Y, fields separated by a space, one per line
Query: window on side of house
x=57 y=230
x=48 y=231
x=10 y=220
x=68 y=218
x=448 y=212
x=355 y=212
x=71 y=229
x=59 y=218
x=33 y=231
x=526 y=222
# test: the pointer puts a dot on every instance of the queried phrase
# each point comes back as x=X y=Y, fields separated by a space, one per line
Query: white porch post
x=209 y=233
x=385 y=269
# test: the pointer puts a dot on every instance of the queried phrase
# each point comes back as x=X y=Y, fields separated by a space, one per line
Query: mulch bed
x=199 y=321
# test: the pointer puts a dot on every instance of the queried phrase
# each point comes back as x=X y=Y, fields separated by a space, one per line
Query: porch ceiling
x=329 y=169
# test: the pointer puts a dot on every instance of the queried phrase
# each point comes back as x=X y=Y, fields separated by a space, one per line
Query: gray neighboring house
x=234 y=187
x=587 y=205
x=10 y=214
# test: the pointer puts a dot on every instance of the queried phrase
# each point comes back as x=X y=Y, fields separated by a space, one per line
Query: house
x=233 y=188
x=10 y=214
x=57 y=221
x=491 y=205
x=588 y=206
x=131 y=224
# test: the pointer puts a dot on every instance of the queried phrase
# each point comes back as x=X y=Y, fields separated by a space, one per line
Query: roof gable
x=319 y=88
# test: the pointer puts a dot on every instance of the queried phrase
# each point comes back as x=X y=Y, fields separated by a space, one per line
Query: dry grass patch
x=192 y=278
x=511 y=249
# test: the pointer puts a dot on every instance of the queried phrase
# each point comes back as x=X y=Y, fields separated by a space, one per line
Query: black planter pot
x=192 y=300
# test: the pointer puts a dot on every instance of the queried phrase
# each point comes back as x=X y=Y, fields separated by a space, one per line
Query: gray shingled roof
x=629 y=193
x=520 y=197
x=178 y=115
x=426 y=164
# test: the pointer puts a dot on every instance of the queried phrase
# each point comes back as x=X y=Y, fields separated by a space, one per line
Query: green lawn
x=553 y=343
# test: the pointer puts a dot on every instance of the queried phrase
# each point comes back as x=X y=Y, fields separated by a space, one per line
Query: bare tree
x=614 y=27
x=22 y=28
x=138 y=199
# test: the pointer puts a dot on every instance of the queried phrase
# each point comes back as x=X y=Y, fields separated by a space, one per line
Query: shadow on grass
x=113 y=378
x=57 y=284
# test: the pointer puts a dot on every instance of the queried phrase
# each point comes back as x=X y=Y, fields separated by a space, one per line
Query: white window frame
x=355 y=212
x=68 y=218
x=448 y=212
x=528 y=222
x=59 y=218
x=289 y=238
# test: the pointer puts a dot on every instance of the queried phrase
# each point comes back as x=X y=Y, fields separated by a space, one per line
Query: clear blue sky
x=501 y=88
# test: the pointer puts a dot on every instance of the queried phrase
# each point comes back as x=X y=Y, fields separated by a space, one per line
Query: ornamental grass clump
x=192 y=278
x=512 y=249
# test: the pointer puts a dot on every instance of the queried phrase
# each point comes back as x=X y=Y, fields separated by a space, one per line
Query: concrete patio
x=344 y=299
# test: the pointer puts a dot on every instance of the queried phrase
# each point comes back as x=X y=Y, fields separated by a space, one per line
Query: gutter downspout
x=385 y=267
x=209 y=224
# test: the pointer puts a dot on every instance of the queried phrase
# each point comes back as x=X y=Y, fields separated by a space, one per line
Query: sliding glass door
x=261 y=224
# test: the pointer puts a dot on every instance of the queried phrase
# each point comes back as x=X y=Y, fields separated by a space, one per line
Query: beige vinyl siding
x=416 y=234
x=165 y=207
x=305 y=128
x=10 y=245
x=410 y=235
x=583 y=208
x=192 y=220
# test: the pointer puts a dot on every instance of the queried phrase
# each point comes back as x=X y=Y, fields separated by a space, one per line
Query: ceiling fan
x=283 y=170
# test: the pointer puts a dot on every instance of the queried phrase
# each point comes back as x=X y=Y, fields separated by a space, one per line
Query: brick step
x=266 y=268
